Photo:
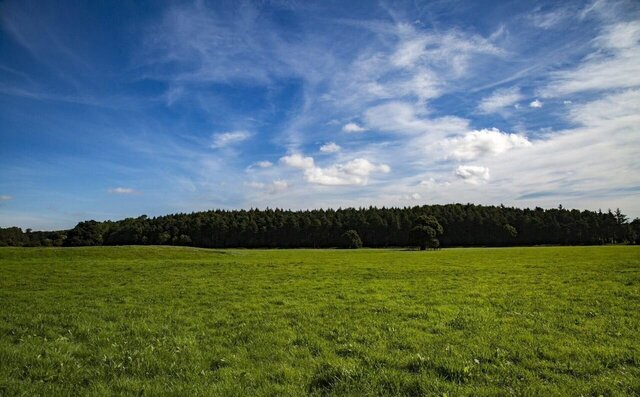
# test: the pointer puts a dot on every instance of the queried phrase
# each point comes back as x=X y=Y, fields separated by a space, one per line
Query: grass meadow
x=183 y=321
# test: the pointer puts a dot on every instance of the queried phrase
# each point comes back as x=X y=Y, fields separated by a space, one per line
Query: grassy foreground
x=182 y=321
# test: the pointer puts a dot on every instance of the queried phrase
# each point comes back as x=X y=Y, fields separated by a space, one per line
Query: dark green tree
x=351 y=239
x=426 y=229
x=86 y=233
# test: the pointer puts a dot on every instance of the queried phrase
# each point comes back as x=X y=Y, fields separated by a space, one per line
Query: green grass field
x=182 y=321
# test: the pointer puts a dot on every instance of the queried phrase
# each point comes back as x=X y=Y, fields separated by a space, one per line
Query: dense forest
x=454 y=225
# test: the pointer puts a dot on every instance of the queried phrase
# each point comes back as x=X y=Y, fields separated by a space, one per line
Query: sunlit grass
x=181 y=321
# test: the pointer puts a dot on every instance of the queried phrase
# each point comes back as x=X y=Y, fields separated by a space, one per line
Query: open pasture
x=183 y=321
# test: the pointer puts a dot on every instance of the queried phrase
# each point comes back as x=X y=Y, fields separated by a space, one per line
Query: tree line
x=428 y=226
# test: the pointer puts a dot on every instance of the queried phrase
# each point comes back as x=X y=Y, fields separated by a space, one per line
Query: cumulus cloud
x=476 y=144
x=354 y=172
x=264 y=164
x=500 y=99
x=121 y=190
x=296 y=160
x=225 y=139
x=363 y=167
x=352 y=127
x=330 y=147
x=473 y=174
x=535 y=104
x=5 y=197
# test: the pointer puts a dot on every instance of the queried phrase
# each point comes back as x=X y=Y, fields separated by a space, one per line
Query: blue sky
x=117 y=109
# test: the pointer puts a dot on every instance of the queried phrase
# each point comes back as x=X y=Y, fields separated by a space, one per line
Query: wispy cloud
x=276 y=186
x=409 y=118
x=225 y=139
x=550 y=19
x=264 y=164
x=612 y=65
x=5 y=197
x=500 y=99
x=121 y=190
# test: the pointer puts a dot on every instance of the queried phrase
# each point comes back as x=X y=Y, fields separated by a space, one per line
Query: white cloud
x=121 y=190
x=616 y=111
x=424 y=84
x=621 y=36
x=363 y=167
x=476 y=144
x=432 y=184
x=354 y=172
x=593 y=163
x=535 y=104
x=298 y=161
x=451 y=50
x=264 y=164
x=273 y=187
x=613 y=64
x=229 y=138
x=352 y=127
x=406 y=118
x=403 y=62
x=500 y=99
x=203 y=44
x=473 y=174
x=409 y=52
x=5 y=197
x=330 y=147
